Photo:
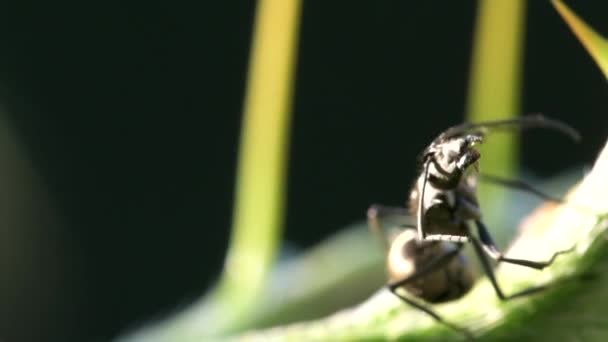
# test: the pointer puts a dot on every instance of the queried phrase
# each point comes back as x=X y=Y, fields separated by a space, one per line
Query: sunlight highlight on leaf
x=596 y=45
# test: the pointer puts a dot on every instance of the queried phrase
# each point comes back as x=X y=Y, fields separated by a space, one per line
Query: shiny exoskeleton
x=434 y=271
x=425 y=259
x=408 y=256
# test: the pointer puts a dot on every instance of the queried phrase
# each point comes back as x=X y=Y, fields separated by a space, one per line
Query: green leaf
x=596 y=45
x=573 y=308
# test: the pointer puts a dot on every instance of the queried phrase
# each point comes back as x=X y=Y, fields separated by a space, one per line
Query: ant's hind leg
x=433 y=266
x=490 y=248
x=432 y=313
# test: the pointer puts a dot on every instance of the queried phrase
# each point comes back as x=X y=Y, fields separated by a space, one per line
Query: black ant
x=425 y=259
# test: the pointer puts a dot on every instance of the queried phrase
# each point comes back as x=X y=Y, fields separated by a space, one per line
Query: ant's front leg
x=433 y=314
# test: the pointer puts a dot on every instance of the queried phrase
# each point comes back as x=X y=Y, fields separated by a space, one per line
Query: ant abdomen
x=409 y=256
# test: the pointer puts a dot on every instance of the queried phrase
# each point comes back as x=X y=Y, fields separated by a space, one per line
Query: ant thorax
x=449 y=181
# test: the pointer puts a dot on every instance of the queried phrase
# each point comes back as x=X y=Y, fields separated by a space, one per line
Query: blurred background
x=120 y=125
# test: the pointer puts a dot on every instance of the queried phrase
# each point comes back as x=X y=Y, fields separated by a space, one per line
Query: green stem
x=494 y=93
x=260 y=188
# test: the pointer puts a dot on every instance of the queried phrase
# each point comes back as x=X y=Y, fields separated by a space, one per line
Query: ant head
x=452 y=156
x=452 y=153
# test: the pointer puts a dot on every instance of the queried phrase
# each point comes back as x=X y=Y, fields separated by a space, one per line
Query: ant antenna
x=530 y=121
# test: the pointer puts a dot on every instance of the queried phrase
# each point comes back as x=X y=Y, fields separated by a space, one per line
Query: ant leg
x=519 y=185
x=433 y=266
x=374 y=216
x=433 y=314
x=490 y=248
x=487 y=268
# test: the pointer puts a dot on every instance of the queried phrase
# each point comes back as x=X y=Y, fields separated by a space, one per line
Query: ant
x=425 y=259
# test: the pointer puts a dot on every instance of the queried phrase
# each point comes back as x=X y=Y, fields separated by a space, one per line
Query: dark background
x=128 y=113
